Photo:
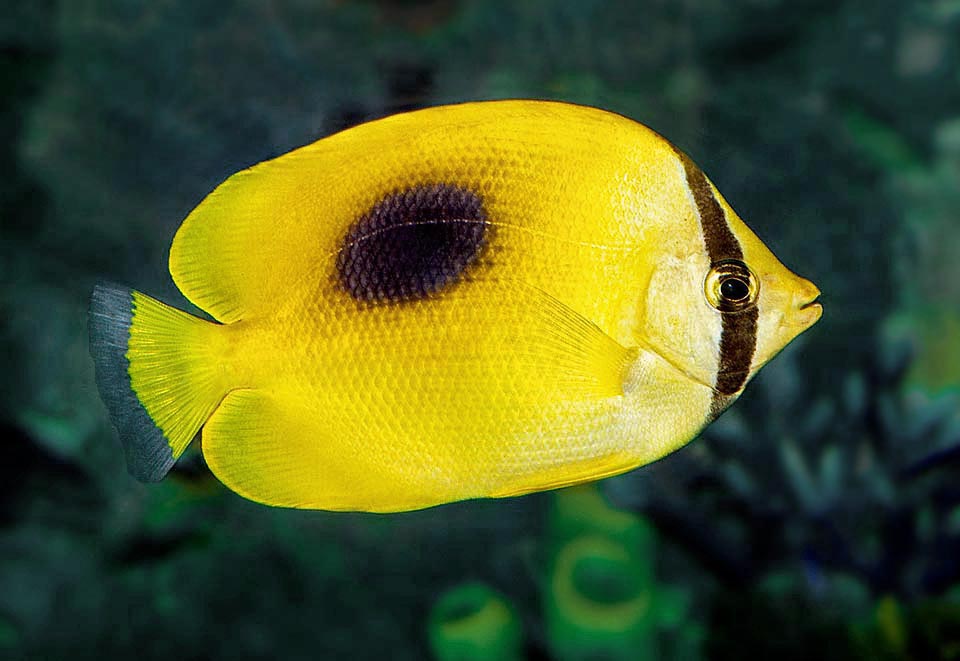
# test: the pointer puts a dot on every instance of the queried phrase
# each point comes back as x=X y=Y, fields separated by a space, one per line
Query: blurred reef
x=818 y=518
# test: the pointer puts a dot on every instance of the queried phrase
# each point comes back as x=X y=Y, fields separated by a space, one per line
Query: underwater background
x=819 y=518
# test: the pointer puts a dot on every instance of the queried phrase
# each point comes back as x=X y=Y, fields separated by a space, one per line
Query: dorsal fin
x=254 y=235
x=280 y=226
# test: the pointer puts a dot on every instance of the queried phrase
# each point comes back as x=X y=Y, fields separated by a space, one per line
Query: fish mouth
x=810 y=311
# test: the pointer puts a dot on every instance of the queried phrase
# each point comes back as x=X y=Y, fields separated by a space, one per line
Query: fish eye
x=734 y=289
x=731 y=286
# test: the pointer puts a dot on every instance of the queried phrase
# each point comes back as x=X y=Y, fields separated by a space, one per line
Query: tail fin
x=157 y=372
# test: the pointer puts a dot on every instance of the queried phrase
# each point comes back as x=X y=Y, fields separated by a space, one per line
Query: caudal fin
x=157 y=372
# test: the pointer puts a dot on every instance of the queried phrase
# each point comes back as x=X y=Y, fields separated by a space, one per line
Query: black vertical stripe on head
x=412 y=243
x=720 y=241
x=738 y=335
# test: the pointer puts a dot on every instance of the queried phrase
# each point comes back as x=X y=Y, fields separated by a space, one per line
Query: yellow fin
x=232 y=254
x=599 y=469
x=270 y=231
x=269 y=449
x=380 y=444
x=569 y=348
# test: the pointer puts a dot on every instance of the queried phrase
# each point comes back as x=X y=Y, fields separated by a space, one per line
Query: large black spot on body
x=412 y=243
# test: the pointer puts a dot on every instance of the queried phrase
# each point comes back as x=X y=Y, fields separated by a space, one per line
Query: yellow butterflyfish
x=467 y=301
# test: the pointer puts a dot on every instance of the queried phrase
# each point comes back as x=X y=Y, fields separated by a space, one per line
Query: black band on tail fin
x=149 y=456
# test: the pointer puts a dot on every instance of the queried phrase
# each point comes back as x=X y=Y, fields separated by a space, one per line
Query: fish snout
x=807 y=308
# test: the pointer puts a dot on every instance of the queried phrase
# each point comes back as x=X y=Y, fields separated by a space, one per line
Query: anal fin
x=269 y=448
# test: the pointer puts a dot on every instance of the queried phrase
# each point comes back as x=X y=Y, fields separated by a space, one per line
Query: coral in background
x=471 y=622
x=602 y=598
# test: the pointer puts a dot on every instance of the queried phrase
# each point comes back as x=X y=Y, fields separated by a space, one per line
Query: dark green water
x=819 y=518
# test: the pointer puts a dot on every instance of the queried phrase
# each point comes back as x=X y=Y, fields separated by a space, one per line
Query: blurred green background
x=818 y=518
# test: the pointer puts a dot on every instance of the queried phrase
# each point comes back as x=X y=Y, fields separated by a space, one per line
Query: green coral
x=602 y=598
x=599 y=603
x=472 y=622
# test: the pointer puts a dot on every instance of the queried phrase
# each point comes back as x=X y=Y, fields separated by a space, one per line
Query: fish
x=478 y=300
